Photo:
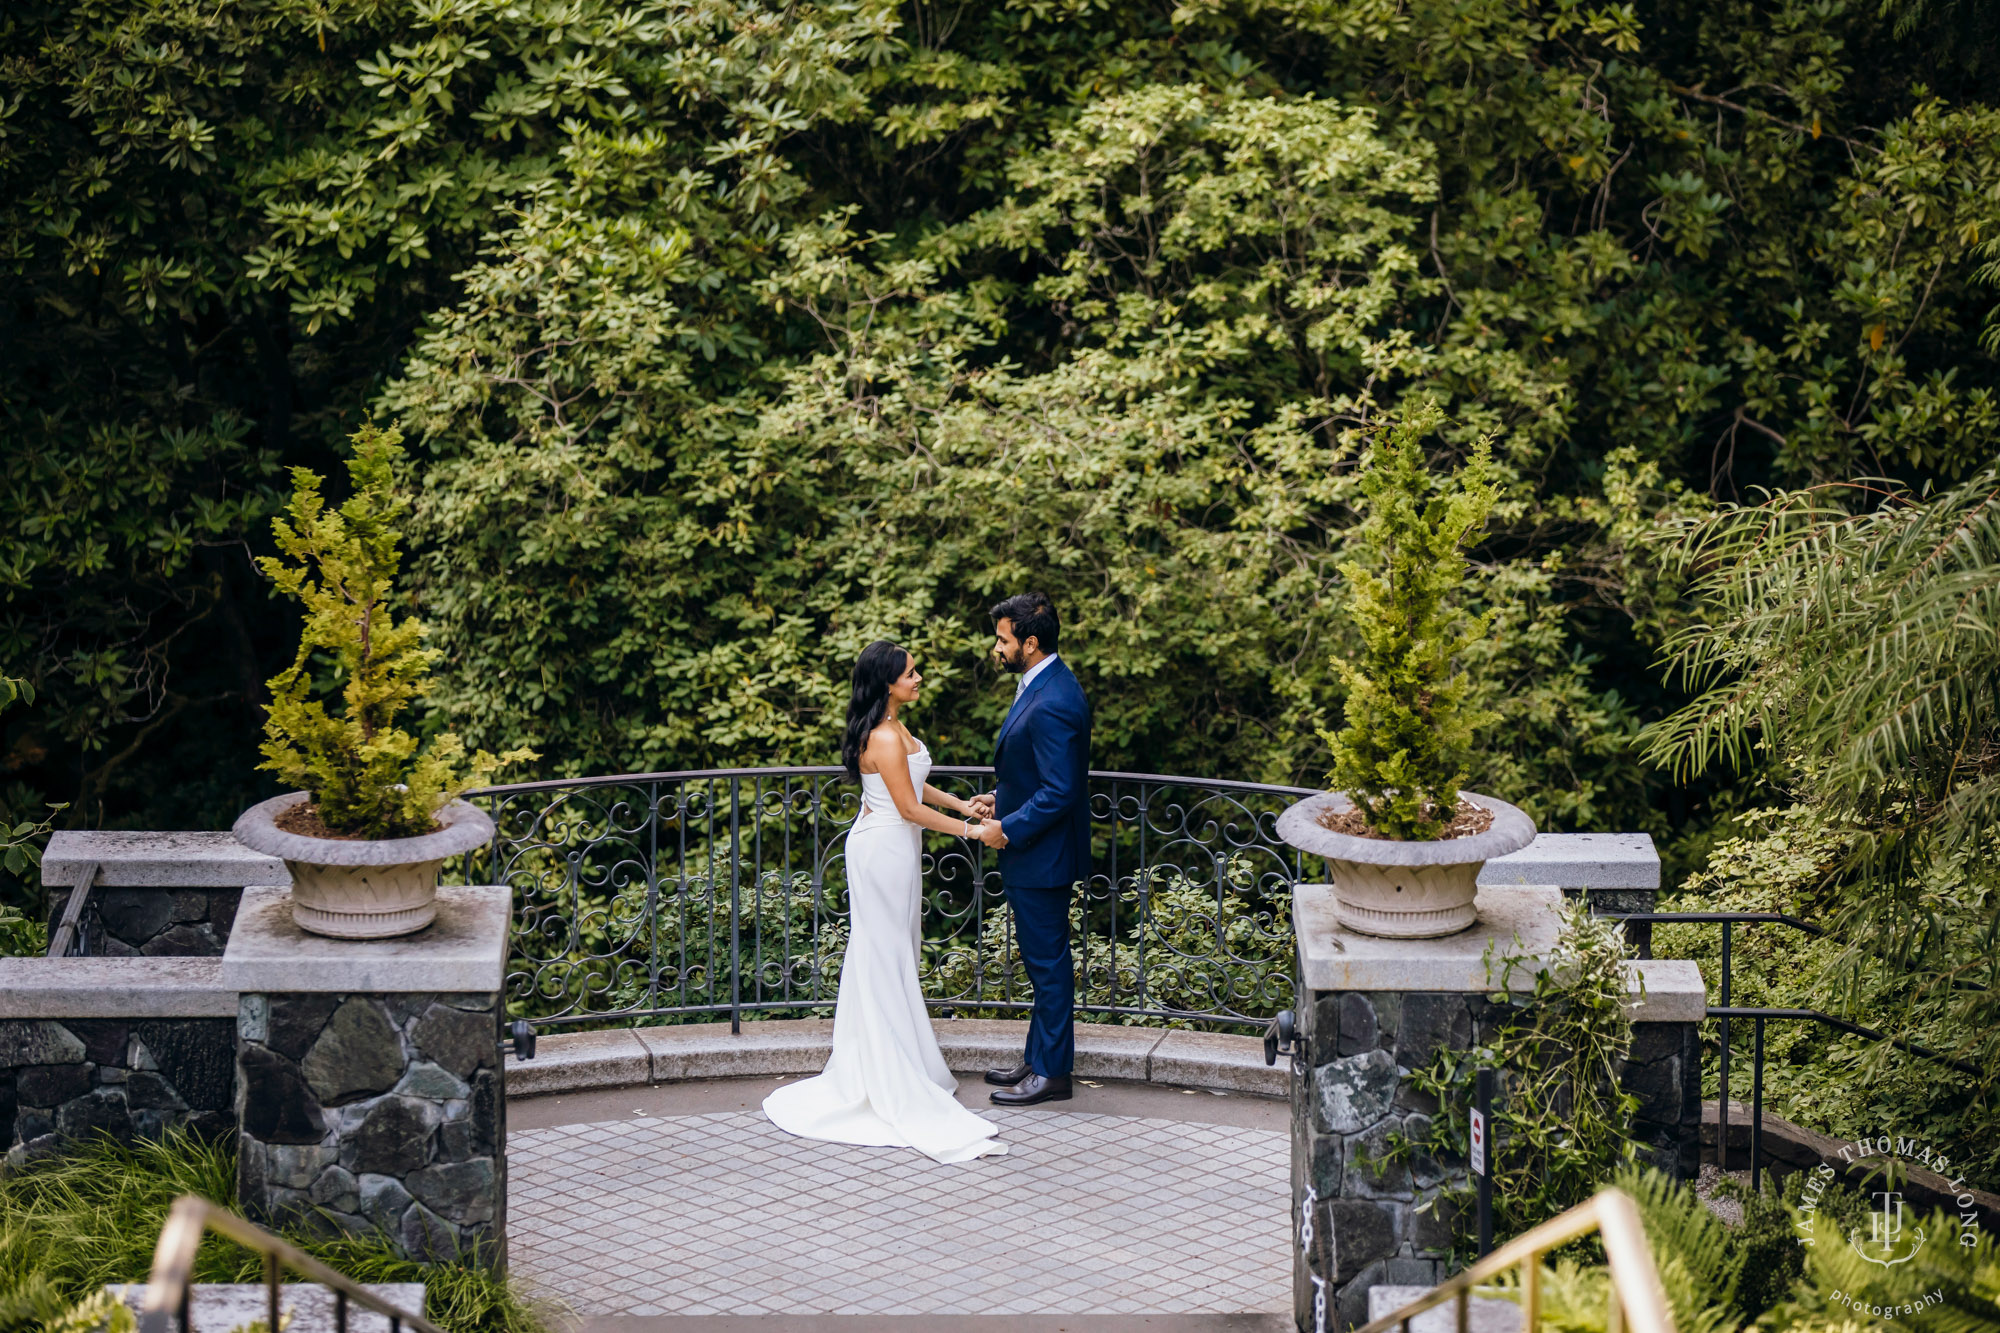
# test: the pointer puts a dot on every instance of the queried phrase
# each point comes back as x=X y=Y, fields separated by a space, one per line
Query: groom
x=1042 y=797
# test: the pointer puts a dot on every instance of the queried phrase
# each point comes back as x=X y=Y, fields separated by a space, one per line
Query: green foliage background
x=732 y=334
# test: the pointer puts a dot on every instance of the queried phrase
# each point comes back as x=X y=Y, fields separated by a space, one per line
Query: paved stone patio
x=722 y=1214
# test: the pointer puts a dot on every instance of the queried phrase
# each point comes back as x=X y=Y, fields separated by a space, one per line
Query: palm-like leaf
x=1852 y=640
x=1863 y=646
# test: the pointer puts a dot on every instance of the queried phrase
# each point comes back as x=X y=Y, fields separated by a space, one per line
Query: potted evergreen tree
x=1403 y=843
x=379 y=812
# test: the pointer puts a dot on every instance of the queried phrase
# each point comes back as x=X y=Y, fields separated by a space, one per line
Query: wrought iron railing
x=1759 y=1015
x=682 y=896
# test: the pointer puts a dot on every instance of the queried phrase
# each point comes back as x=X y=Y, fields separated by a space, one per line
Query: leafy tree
x=222 y=226
x=1656 y=254
x=367 y=777
x=1848 y=657
x=1852 y=632
x=1402 y=754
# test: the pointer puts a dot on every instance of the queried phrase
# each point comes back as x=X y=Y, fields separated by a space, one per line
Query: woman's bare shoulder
x=890 y=739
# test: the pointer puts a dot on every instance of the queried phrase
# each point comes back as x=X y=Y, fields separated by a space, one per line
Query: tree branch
x=1698 y=96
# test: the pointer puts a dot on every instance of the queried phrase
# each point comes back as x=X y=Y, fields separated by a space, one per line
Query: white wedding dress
x=886 y=1084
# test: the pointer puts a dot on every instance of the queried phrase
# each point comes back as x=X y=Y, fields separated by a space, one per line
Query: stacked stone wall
x=79 y=1078
x=1381 y=1222
x=375 y=1112
x=153 y=922
x=1664 y=1073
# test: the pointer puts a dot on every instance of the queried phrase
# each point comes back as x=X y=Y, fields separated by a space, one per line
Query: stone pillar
x=1664 y=1068
x=369 y=1077
x=1371 y=1010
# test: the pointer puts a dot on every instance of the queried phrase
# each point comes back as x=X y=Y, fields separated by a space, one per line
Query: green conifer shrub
x=1403 y=752
x=368 y=777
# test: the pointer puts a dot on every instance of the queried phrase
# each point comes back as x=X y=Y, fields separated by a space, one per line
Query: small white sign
x=1478 y=1144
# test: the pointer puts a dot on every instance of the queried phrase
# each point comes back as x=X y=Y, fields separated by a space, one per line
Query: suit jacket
x=1041 y=769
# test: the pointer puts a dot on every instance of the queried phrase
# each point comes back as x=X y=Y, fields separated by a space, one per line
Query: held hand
x=982 y=805
x=991 y=834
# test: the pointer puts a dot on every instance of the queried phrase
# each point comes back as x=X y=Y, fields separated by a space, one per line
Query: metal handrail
x=1759 y=1015
x=1638 y=1299
x=831 y=770
x=66 y=929
x=168 y=1288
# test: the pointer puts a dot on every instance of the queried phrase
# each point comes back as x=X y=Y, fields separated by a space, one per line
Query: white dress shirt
x=1032 y=672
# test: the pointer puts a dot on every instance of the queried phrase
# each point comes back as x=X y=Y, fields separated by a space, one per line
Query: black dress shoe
x=1032 y=1089
x=1007 y=1078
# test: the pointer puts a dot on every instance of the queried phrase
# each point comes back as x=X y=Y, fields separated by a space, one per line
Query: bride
x=886 y=1084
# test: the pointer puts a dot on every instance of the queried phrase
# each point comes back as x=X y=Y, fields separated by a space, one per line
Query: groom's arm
x=1057 y=732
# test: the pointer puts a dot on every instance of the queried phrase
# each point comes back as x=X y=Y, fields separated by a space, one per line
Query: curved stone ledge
x=1787 y=1147
x=575 y=1061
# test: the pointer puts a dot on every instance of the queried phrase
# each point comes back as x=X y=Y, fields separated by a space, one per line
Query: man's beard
x=1014 y=664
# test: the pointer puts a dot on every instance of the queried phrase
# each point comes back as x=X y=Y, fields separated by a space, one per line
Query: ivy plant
x=1562 y=1123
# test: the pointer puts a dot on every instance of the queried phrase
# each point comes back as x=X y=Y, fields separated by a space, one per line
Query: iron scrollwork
x=677 y=896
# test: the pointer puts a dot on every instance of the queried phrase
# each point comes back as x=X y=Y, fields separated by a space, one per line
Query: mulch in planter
x=303 y=819
x=1467 y=820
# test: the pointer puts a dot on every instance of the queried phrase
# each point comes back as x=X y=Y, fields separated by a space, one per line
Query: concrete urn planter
x=362 y=889
x=1404 y=890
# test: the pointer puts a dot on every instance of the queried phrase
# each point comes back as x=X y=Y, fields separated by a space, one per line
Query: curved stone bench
x=574 y=1061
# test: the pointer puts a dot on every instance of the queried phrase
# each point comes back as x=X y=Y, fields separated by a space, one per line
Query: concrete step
x=1488 y=1314
x=219 y=1307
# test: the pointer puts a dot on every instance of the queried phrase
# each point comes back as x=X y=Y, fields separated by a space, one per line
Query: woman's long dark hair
x=880 y=665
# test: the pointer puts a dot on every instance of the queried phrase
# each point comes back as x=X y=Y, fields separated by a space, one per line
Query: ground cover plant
x=72 y=1223
x=1722 y=1278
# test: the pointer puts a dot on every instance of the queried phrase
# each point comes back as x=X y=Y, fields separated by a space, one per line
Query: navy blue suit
x=1041 y=790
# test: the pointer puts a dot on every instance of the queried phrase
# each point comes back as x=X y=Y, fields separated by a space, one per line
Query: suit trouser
x=1041 y=927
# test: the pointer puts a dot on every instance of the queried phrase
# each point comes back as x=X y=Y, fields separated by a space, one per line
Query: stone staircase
x=304 y=1307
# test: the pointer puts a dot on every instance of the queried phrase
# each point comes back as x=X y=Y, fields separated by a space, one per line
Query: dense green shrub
x=1788 y=860
x=680 y=292
x=1408 y=738
x=367 y=776
x=1848 y=660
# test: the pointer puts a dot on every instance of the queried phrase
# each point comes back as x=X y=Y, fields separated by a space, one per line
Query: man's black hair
x=1034 y=617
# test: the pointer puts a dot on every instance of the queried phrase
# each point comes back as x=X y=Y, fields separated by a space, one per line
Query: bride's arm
x=932 y=796
x=885 y=747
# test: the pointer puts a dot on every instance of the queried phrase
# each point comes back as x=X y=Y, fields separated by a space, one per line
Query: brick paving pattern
x=722 y=1214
